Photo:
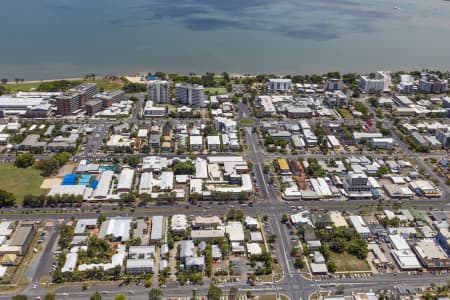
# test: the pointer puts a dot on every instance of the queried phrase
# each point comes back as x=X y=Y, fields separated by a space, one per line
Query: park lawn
x=102 y=84
x=20 y=182
x=216 y=90
x=345 y=113
x=348 y=263
x=248 y=122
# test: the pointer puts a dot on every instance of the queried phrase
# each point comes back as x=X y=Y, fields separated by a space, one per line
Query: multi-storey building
x=108 y=98
x=279 y=85
x=159 y=91
x=68 y=103
x=190 y=94
x=431 y=83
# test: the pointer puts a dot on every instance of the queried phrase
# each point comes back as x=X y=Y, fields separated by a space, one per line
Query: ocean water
x=42 y=39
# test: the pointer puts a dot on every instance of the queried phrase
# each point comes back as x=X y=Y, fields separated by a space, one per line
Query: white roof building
x=178 y=223
x=359 y=225
x=235 y=231
x=72 y=190
x=125 y=180
x=118 y=227
x=154 y=163
x=254 y=249
x=83 y=224
x=250 y=221
x=398 y=242
x=302 y=217
x=196 y=141
x=146 y=183
x=406 y=259
x=116 y=260
x=196 y=186
x=102 y=191
x=201 y=168
x=142 y=133
x=71 y=263
x=157 y=228
x=117 y=140
x=166 y=180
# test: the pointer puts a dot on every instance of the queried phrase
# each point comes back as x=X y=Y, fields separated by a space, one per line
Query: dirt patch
x=48 y=183
x=66 y=169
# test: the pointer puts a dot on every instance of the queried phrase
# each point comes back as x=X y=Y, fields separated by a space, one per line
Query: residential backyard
x=20 y=182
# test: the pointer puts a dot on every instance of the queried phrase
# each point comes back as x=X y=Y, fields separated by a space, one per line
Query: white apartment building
x=279 y=85
x=190 y=94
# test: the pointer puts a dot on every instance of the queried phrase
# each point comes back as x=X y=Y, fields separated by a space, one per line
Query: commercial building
x=431 y=255
x=402 y=253
x=108 y=98
x=356 y=185
x=19 y=105
x=22 y=237
x=190 y=94
x=360 y=226
x=279 y=85
x=359 y=136
x=159 y=91
x=207 y=234
x=235 y=231
x=431 y=83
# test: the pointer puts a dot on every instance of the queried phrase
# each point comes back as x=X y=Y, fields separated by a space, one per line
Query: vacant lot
x=348 y=263
x=217 y=90
x=20 y=181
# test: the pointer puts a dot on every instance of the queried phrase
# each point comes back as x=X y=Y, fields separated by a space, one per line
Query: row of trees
x=52 y=201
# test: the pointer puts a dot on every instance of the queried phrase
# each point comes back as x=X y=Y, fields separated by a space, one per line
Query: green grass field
x=247 y=122
x=348 y=263
x=345 y=113
x=20 y=182
x=218 y=90
x=106 y=85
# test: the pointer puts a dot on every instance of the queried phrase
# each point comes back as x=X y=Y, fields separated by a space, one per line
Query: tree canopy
x=214 y=293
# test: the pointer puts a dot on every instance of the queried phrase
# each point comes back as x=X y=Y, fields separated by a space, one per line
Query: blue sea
x=43 y=39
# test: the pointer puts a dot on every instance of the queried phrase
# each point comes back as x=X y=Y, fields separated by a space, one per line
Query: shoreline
x=218 y=74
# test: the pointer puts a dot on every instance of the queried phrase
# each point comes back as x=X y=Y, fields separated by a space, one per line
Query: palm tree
x=155 y=294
